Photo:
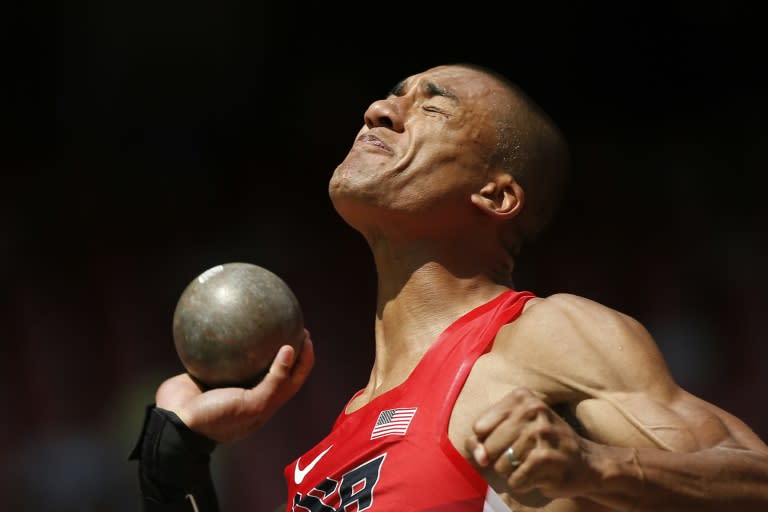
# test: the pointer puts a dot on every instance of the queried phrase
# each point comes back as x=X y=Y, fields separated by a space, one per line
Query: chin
x=348 y=182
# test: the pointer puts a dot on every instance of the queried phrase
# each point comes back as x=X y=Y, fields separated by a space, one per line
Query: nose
x=384 y=113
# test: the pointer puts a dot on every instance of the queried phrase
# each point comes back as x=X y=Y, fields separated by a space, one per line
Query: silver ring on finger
x=512 y=457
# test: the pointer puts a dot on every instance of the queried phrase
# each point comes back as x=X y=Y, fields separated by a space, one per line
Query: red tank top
x=394 y=453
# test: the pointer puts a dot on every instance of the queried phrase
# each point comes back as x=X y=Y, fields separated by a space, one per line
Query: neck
x=422 y=288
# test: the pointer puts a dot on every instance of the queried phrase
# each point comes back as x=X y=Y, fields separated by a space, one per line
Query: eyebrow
x=431 y=89
x=435 y=90
x=397 y=90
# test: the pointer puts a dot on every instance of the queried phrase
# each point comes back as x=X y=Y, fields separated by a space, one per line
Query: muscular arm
x=649 y=446
x=690 y=454
x=722 y=465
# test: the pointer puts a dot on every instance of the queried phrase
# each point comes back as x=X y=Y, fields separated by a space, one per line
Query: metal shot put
x=230 y=322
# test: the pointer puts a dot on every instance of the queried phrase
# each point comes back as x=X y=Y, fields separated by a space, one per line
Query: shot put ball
x=230 y=322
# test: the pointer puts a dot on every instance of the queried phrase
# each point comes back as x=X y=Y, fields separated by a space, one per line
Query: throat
x=408 y=326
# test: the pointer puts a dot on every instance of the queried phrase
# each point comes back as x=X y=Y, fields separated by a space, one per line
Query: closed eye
x=436 y=110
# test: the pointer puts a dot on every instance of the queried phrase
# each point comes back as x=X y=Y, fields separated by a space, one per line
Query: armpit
x=565 y=411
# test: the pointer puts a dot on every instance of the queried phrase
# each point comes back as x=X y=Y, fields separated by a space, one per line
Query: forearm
x=717 y=479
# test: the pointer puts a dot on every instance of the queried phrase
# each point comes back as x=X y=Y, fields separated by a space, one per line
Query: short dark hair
x=532 y=148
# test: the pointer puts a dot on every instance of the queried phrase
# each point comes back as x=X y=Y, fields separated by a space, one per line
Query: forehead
x=462 y=82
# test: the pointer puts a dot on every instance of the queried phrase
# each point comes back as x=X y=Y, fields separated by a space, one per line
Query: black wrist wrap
x=174 y=465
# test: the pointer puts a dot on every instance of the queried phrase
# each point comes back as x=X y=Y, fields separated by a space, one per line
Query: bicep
x=636 y=419
x=641 y=405
x=681 y=422
x=619 y=386
x=637 y=402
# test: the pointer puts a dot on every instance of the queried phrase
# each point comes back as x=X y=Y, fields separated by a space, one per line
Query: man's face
x=423 y=149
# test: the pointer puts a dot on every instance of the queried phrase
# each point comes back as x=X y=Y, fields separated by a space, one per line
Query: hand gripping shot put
x=231 y=320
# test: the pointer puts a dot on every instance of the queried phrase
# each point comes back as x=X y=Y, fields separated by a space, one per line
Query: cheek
x=424 y=191
x=448 y=166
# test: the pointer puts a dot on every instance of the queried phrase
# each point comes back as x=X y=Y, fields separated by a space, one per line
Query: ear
x=503 y=197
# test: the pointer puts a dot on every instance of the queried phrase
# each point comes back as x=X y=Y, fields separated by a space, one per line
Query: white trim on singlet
x=493 y=502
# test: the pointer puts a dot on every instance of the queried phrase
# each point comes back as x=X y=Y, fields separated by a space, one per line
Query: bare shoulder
x=587 y=341
x=575 y=308
x=585 y=319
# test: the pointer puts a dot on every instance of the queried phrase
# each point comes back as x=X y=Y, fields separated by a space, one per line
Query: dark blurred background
x=144 y=142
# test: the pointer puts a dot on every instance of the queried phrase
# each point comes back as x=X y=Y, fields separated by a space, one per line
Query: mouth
x=369 y=138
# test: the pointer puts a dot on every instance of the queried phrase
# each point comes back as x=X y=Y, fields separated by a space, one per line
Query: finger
x=279 y=372
x=285 y=368
x=519 y=480
x=283 y=362
x=541 y=461
x=518 y=426
x=476 y=448
x=509 y=460
x=514 y=453
x=305 y=363
x=506 y=434
x=521 y=436
x=490 y=419
x=542 y=468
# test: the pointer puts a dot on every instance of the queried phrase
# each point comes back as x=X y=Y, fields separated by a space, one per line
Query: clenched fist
x=531 y=448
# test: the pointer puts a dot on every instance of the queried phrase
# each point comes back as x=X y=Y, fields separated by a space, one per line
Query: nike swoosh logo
x=299 y=474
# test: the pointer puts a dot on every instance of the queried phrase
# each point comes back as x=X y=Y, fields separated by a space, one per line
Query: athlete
x=481 y=397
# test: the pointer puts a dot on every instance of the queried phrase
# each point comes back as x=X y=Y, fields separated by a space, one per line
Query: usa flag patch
x=393 y=422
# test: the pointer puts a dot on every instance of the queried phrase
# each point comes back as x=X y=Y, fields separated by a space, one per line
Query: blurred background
x=144 y=142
